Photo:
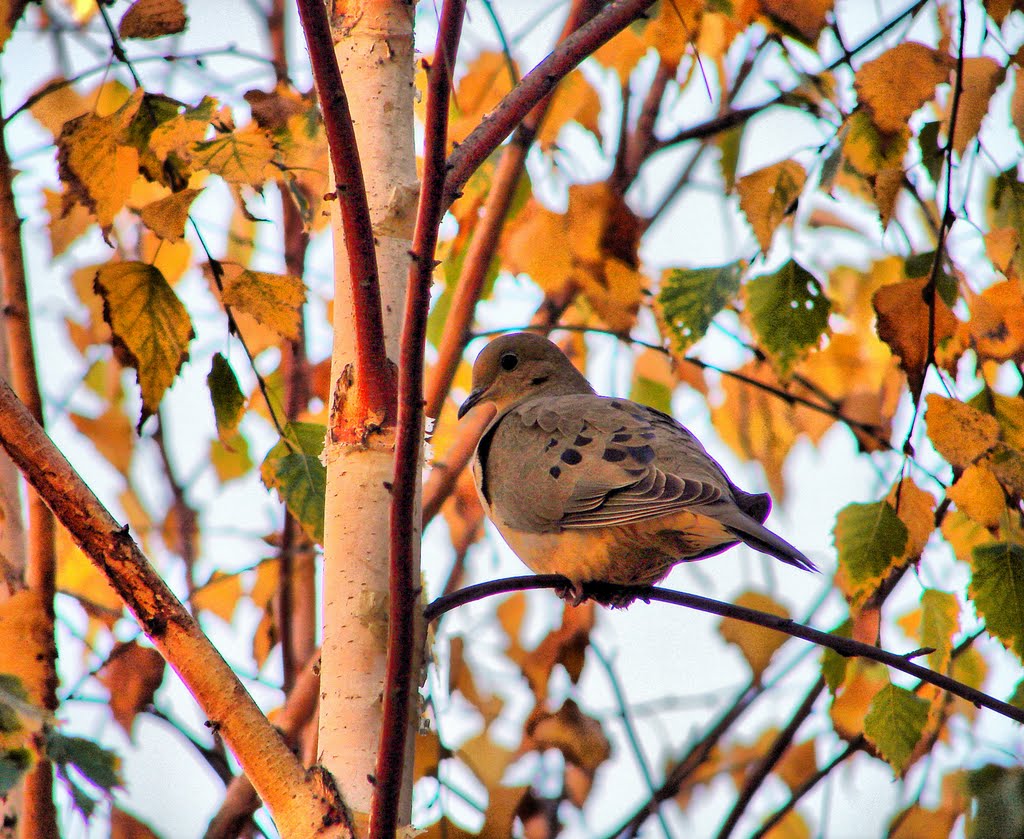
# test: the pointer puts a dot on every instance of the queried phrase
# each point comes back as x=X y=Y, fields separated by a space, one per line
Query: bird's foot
x=572 y=593
x=607 y=594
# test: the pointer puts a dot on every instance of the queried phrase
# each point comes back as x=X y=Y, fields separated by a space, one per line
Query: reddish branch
x=402 y=582
x=373 y=385
x=482 y=247
x=537 y=84
x=40 y=564
x=846 y=647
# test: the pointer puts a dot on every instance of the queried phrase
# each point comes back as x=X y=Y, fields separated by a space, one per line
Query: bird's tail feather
x=761 y=539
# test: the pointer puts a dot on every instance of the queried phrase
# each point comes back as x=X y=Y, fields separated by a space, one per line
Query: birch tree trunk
x=374 y=46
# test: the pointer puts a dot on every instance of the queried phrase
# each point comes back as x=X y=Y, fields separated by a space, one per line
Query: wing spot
x=615 y=403
x=648 y=435
x=551 y=443
x=636 y=473
x=641 y=454
x=554 y=471
x=582 y=440
x=622 y=438
x=614 y=455
x=571 y=456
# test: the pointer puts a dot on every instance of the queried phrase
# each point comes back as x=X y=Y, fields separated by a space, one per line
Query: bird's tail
x=760 y=538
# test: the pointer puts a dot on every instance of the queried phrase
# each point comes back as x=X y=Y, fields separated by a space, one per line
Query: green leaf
x=97 y=764
x=931 y=152
x=894 y=724
x=13 y=764
x=789 y=311
x=151 y=328
x=940 y=615
x=690 y=299
x=997 y=589
x=293 y=468
x=227 y=397
x=868 y=537
x=12 y=696
x=997 y=792
x=833 y=665
x=920 y=265
x=649 y=392
x=1006 y=209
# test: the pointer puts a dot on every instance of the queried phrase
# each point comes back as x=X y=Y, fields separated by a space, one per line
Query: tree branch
x=846 y=647
x=374 y=393
x=403 y=579
x=537 y=84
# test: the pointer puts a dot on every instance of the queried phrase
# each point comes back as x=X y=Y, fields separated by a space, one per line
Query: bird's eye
x=509 y=361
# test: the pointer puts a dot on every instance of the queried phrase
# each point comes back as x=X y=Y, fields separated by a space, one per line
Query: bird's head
x=521 y=366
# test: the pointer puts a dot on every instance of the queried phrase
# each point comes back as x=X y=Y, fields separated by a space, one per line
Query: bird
x=598 y=488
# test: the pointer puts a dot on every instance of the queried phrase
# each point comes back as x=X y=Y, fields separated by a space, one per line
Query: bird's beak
x=471 y=400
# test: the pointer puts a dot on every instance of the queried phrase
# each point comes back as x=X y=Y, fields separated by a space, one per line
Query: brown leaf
x=995 y=329
x=900 y=81
x=125 y=826
x=111 y=434
x=580 y=738
x=903 y=323
x=68 y=221
x=153 y=19
x=797 y=764
x=807 y=17
x=132 y=675
x=916 y=509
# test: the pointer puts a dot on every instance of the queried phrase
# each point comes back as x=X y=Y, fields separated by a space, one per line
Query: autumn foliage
x=859 y=289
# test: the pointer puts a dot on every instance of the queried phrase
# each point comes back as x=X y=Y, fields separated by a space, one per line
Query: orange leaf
x=768 y=195
x=167 y=216
x=903 y=323
x=982 y=75
x=900 y=81
x=960 y=433
x=978 y=494
x=26 y=638
x=798 y=763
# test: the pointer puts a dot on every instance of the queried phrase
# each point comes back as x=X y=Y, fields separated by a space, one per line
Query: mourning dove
x=597 y=488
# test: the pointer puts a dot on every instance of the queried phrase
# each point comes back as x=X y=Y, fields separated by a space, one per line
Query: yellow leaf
x=68 y=221
x=486 y=758
x=853 y=699
x=1017 y=102
x=96 y=162
x=903 y=323
x=615 y=290
x=167 y=217
x=757 y=643
x=230 y=460
x=111 y=434
x=1001 y=245
x=219 y=595
x=575 y=100
x=264 y=639
x=964 y=534
x=756 y=424
x=917 y=822
x=982 y=75
x=995 y=329
x=486 y=82
x=674 y=28
x=151 y=328
x=798 y=763
x=153 y=19
x=960 y=433
x=622 y=53
x=267 y=582
x=900 y=81
x=979 y=496
x=78 y=577
x=871 y=151
x=792 y=826
x=243 y=156
x=172 y=259
x=768 y=195
x=274 y=300
x=916 y=510
x=26 y=639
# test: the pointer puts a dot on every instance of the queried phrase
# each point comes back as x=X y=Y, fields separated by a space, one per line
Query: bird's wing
x=584 y=461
